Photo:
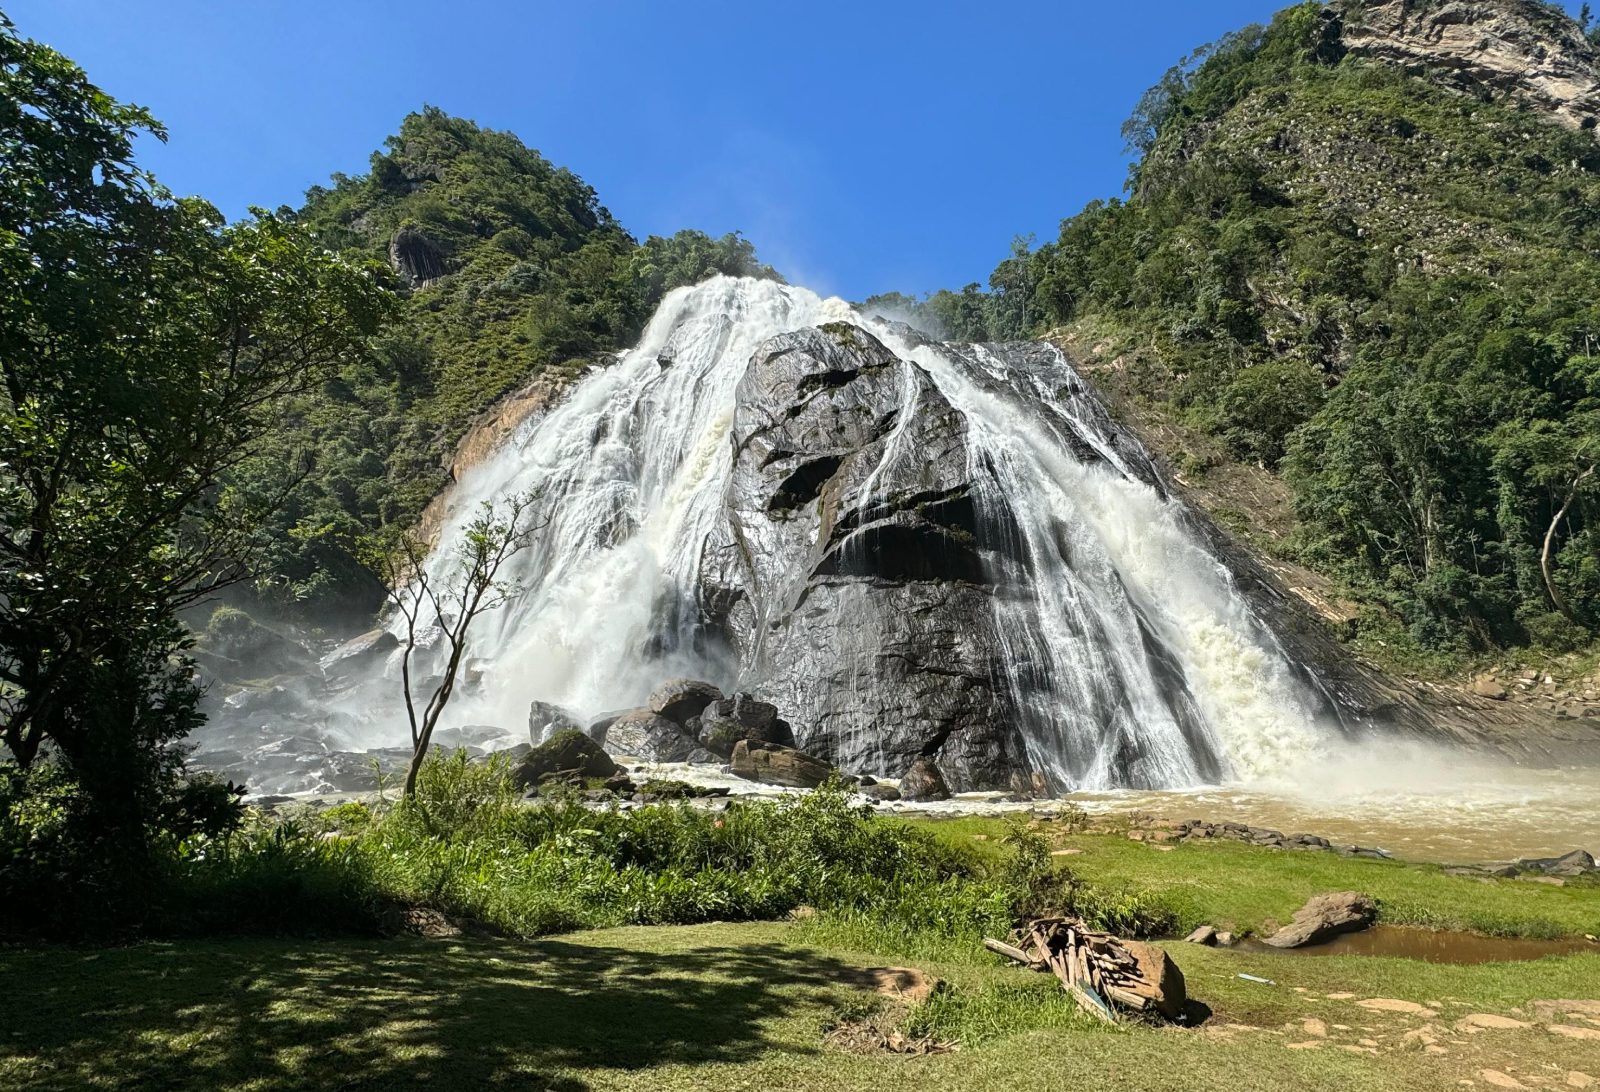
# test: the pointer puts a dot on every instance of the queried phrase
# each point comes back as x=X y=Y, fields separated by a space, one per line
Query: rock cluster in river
x=1192 y=830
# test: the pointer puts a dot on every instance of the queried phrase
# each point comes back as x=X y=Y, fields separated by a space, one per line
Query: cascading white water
x=1126 y=644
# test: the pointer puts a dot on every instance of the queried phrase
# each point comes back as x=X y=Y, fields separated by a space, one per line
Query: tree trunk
x=430 y=717
x=1546 y=561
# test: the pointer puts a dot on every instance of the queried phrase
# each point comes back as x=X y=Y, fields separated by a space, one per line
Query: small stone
x=1486 y=687
x=1309 y=1044
x=1339 y=996
x=1575 y=1033
x=1550 y=1009
x=1316 y=1027
x=1499 y=1079
x=1393 y=1004
x=1577 y=1079
x=1489 y=1021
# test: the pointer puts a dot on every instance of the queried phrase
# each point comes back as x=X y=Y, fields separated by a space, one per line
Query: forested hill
x=1360 y=247
x=509 y=267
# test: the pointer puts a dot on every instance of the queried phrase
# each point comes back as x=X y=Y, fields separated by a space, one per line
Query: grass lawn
x=745 y=1006
x=726 y=1007
x=1237 y=886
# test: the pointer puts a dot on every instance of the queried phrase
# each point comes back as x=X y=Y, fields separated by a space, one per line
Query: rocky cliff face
x=1520 y=49
x=855 y=551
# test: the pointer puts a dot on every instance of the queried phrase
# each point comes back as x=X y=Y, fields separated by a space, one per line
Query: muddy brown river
x=1415 y=802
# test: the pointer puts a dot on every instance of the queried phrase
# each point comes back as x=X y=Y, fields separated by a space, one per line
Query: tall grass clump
x=468 y=846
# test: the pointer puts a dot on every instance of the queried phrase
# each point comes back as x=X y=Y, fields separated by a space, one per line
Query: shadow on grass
x=405 y=1014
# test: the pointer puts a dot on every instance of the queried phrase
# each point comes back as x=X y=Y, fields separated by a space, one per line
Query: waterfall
x=1116 y=649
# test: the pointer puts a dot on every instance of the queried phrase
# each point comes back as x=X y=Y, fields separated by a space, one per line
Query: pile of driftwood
x=1102 y=973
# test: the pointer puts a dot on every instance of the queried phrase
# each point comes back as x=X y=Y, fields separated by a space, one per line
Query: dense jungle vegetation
x=1379 y=288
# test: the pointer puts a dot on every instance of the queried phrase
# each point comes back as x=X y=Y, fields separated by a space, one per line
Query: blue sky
x=863 y=147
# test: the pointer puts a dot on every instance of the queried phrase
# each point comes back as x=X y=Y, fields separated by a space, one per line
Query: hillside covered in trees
x=509 y=267
x=1360 y=247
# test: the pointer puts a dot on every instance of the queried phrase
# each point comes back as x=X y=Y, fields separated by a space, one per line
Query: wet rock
x=243 y=648
x=1576 y=863
x=643 y=734
x=879 y=791
x=775 y=764
x=598 y=727
x=515 y=754
x=923 y=781
x=726 y=721
x=570 y=752
x=680 y=699
x=546 y=720
x=855 y=550
x=268 y=703
x=468 y=735
x=1326 y=916
x=358 y=656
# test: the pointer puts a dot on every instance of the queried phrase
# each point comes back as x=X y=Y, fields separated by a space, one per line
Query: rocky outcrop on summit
x=1523 y=49
x=851 y=497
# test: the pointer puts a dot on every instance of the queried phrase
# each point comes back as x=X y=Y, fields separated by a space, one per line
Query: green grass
x=1241 y=887
x=711 y=1006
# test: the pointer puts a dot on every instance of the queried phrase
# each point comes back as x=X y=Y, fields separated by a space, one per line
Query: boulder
x=680 y=699
x=1205 y=934
x=775 y=764
x=923 y=781
x=643 y=734
x=879 y=791
x=1324 y=917
x=1576 y=863
x=569 y=752
x=546 y=720
x=1487 y=686
x=246 y=649
x=1159 y=979
x=725 y=722
x=602 y=724
x=358 y=655
x=468 y=735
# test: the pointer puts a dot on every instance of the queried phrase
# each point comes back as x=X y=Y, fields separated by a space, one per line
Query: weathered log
x=1007 y=950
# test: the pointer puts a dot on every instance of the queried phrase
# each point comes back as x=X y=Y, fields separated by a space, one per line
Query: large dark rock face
x=853 y=577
